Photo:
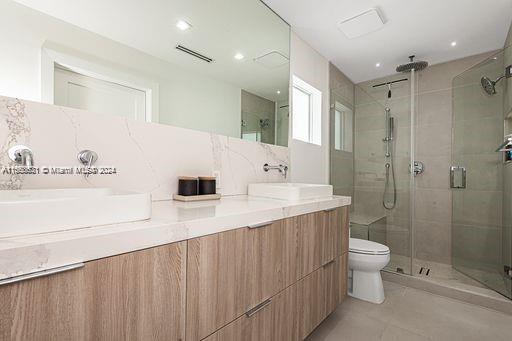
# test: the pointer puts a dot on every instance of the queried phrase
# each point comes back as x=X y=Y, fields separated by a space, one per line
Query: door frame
x=51 y=56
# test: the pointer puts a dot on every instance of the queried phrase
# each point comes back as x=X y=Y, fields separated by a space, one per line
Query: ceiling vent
x=194 y=53
x=364 y=23
x=272 y=60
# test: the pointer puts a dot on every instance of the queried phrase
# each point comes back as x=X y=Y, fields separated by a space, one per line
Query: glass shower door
x=480 y=180
x=373 y=180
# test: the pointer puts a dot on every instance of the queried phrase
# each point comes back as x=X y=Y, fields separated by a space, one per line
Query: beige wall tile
x=435 y=108
x=436 y=174
x=477 y=245
x=440 y=76
x=432 y=241
x=433 y=140
x=433 y=205
x=477 y=207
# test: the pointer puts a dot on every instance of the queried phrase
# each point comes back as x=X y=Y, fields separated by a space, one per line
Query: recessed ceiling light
x=239 y=56
x=183 y=25
x=278 y=92
x=454 y=43
x=377 y=65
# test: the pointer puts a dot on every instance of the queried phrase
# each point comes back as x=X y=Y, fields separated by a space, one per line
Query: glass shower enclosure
x=481 y=176
x=383 y=182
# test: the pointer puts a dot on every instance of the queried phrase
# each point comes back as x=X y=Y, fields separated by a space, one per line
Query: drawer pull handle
x=41 y=273
x=258 y=308
x=256 y=226
x=330 y=209
x=328 y=263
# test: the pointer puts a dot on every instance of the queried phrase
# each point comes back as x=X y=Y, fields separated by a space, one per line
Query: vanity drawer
x=323 y=237
x=231 y=272
x=275 y=319
x=320 y=293
x=134 y=296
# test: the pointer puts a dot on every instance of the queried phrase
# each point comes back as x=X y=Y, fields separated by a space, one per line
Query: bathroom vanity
x=244 y=268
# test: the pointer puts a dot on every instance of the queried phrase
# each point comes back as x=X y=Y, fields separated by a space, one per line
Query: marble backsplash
x=148 y=157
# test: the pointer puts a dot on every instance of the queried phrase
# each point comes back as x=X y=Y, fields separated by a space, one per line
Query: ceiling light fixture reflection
x=183 y=25
x=239 y=56
x=278 y=92
x=453 y=44
x=377 y=65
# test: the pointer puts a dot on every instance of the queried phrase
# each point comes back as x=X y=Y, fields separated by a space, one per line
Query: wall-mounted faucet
x=283 y=169
x=22 y=155
x=87 y=158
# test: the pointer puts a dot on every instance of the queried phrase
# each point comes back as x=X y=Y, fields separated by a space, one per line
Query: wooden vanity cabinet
x=272 y=282
x=232 y=272
x=134 y=296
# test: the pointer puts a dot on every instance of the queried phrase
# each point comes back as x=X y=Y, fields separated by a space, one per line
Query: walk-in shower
x=455 y=229
x=384 y=165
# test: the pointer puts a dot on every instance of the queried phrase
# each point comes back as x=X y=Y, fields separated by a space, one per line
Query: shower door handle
x=460 y=172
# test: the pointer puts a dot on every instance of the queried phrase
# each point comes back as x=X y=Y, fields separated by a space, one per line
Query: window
x=342 y=128
x=338 y=122
x=252 y=136
x=306 y=112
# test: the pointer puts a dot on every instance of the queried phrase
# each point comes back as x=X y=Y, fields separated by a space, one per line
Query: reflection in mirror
x=343 y=121
x=217 y=66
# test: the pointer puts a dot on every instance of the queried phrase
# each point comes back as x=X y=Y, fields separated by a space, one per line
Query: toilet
x=365 y=260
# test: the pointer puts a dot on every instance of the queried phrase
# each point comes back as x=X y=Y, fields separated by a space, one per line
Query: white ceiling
x=425 y=28
x=220 y=29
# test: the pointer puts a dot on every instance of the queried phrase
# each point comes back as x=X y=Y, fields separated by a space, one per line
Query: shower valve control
x=419 y=167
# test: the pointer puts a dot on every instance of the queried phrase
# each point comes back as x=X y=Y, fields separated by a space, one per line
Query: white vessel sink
x=290 y=191
x=48 y=210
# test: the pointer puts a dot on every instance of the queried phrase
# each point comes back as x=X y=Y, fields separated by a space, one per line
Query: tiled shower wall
x=433 y=208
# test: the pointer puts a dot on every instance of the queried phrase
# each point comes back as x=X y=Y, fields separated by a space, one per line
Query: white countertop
x=171 y=221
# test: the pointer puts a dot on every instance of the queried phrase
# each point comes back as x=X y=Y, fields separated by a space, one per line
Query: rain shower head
x=416 y=66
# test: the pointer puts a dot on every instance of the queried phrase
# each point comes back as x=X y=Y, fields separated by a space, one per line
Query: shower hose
x=390 y=168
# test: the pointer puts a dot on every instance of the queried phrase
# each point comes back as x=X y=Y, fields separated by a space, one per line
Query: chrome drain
x=425 y=271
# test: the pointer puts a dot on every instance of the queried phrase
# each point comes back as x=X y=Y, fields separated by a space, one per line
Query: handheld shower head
x=489 y=85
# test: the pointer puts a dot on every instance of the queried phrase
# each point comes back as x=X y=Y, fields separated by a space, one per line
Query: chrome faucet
x=22 y=155
x=283 y=169
x=87 y=158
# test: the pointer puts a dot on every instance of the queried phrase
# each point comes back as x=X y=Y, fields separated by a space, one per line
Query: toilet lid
x=367 y=247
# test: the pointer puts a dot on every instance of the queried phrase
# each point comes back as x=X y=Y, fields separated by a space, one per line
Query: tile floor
x=409 y=314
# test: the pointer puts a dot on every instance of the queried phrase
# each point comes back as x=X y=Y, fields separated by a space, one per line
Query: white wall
x=308 y=162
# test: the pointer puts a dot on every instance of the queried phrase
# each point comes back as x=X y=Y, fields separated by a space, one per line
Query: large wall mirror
x=219 y=66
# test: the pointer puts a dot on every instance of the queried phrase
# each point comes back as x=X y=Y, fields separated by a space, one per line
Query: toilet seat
x=367 y=247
